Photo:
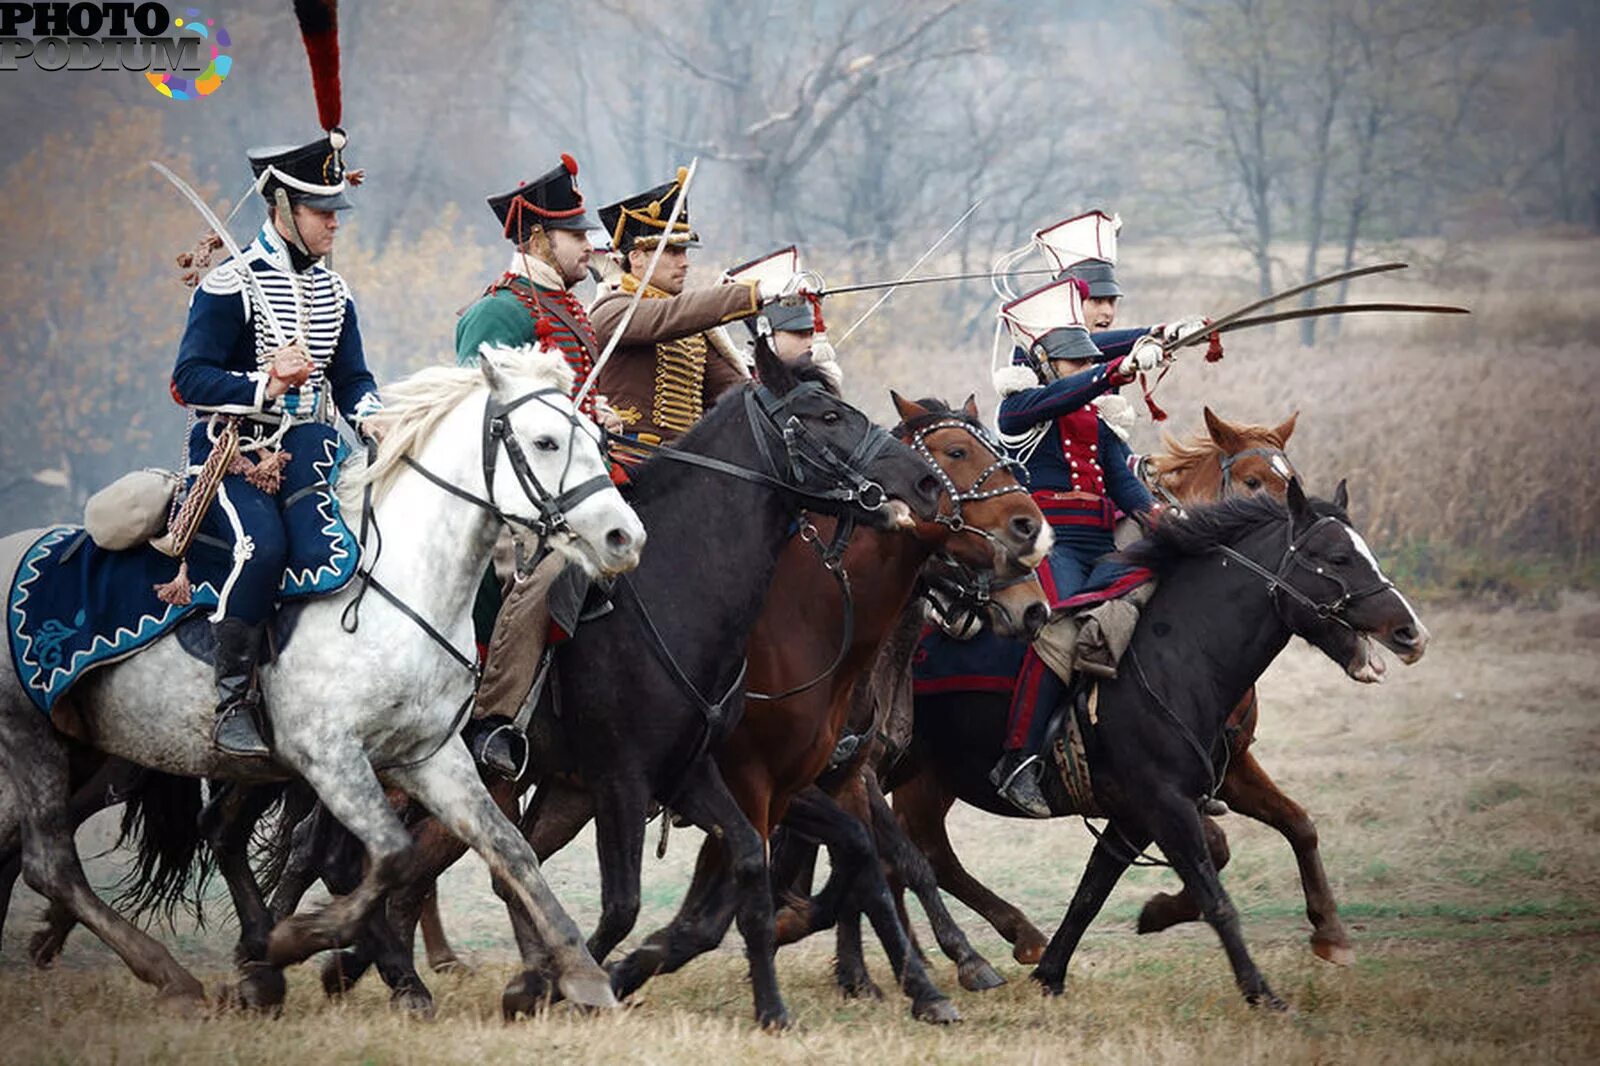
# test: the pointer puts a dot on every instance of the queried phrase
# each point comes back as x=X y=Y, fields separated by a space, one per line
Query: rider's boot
x=238 y=726
x=1016 y=776
x=497 y=745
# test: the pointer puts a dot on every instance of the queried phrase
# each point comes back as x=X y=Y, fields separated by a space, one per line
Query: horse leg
x=1175 y=825
x=698 y=927
x=1163 y=910
x=1107 y=862
x=1249 y=790
x=449 y=786
x=706 y=801
x=261 y=986
x=555 y=815
x=442 y=958
x=794 y=868
x=912 y=870
x=619 y=837
x=816 y=814
x=922 y=805
x=35 y=762
x=345 y=783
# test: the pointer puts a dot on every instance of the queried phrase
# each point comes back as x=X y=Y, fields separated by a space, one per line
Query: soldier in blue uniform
x=1080 y=478
x=282 y=353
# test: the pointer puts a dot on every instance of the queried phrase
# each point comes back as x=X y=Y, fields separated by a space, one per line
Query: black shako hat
x=311 y=174
x=550 y=201
x=640 y=221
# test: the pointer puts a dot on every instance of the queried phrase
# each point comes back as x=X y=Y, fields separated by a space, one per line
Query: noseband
x=1336 y=609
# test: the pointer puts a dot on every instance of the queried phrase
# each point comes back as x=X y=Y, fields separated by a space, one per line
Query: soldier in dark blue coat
x=274 y=342
x=1080 y=477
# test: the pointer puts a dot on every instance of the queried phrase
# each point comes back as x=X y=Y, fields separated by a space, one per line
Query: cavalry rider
x=287 y=368
x=532 y=303
x=673 y=360
x=793 y=324
x=1080 y=478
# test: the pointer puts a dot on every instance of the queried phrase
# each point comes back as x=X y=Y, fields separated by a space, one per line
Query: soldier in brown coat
x=674 y=359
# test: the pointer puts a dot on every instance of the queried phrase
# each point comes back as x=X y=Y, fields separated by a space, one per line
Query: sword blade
x=1341 y=309
x=913 y=269
x=1265 y=301
x=867 y=286
x=228 y=243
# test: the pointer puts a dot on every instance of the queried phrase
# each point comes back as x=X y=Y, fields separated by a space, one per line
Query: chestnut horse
x=1228 y=459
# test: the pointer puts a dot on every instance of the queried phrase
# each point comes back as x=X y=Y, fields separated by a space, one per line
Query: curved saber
x=1342 y=309
x=232 y=247
x=1315 y=283
x=655 y=257
x=868 y=286
x=920 y=260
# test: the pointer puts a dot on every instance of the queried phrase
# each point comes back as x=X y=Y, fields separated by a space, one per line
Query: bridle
x=1153 y=480
x=1336 y=609
x=552 y=509
x=955 y=521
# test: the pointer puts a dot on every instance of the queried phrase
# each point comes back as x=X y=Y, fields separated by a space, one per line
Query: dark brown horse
x=1228 y=459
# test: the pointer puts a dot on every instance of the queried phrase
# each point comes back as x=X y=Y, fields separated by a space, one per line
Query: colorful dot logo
x=174 y=86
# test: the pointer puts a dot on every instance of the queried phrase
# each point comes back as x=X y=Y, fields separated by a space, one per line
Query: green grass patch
x=1492 y=794
x=1436 y=570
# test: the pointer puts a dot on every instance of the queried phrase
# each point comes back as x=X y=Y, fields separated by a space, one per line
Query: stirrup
x=1035 y=805
x=236 y=732
x=501 y=749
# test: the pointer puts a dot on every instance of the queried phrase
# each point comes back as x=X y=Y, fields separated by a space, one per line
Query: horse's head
x=961 y=599
x=1229 y=459
x=544 y=466
x=986 y=518
x=1335 y=595
x=833 y=456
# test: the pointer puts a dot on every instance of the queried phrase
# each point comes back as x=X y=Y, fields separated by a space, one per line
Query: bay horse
x=807 y=630
x=1237 y=580
x=352 y=708
x=807 y=651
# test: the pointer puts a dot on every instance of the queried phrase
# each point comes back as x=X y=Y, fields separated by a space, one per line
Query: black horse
x=1237 y=580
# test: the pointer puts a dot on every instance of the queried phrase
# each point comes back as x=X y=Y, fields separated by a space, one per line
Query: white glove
x=773 y=289
x=1146 y=355
x=1187 y=326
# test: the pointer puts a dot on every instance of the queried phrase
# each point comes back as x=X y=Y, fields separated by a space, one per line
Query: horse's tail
x=171 y=862
x=273 y=843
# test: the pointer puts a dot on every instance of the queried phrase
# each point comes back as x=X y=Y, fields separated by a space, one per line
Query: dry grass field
x=1459 y=821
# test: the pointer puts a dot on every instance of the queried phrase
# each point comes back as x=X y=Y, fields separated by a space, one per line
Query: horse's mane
x=1204 y=527
x=1182 y=458
x=414 y=406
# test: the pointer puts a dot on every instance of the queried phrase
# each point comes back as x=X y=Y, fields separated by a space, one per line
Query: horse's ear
x=1285 y=430
x=910 y=410
x=774 y=373
x=970 y=408
x=1223 y=434
x=1341 y=495
x=1299 y=508
x=491 y=371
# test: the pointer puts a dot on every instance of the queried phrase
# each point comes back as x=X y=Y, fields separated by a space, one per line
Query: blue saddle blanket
x=986 y=663
x=72 y=606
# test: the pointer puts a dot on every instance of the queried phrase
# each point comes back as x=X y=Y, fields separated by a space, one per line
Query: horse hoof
x=1050 y=986
x=591 y=991
x=936 y=1012
x=44 y=947
x=337 y=979
x=792 y=924
x=413 y=1001
x=1270 y=1001
x=1029 y=949
x=1156 y=914
x=976 y=975
x=184 y=1000
x=450 y=965
x=774 y=1021
x=261 y=989
x=525 y=994
x=859 y=987
x=1340 y=954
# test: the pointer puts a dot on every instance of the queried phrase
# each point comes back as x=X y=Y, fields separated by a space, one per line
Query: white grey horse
x=352 y=712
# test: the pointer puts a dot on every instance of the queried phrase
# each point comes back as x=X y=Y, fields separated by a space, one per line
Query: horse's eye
x=546 y=444
x=1252 y=483
x=830 y=417
x=1339 y=559
x=957 y=452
